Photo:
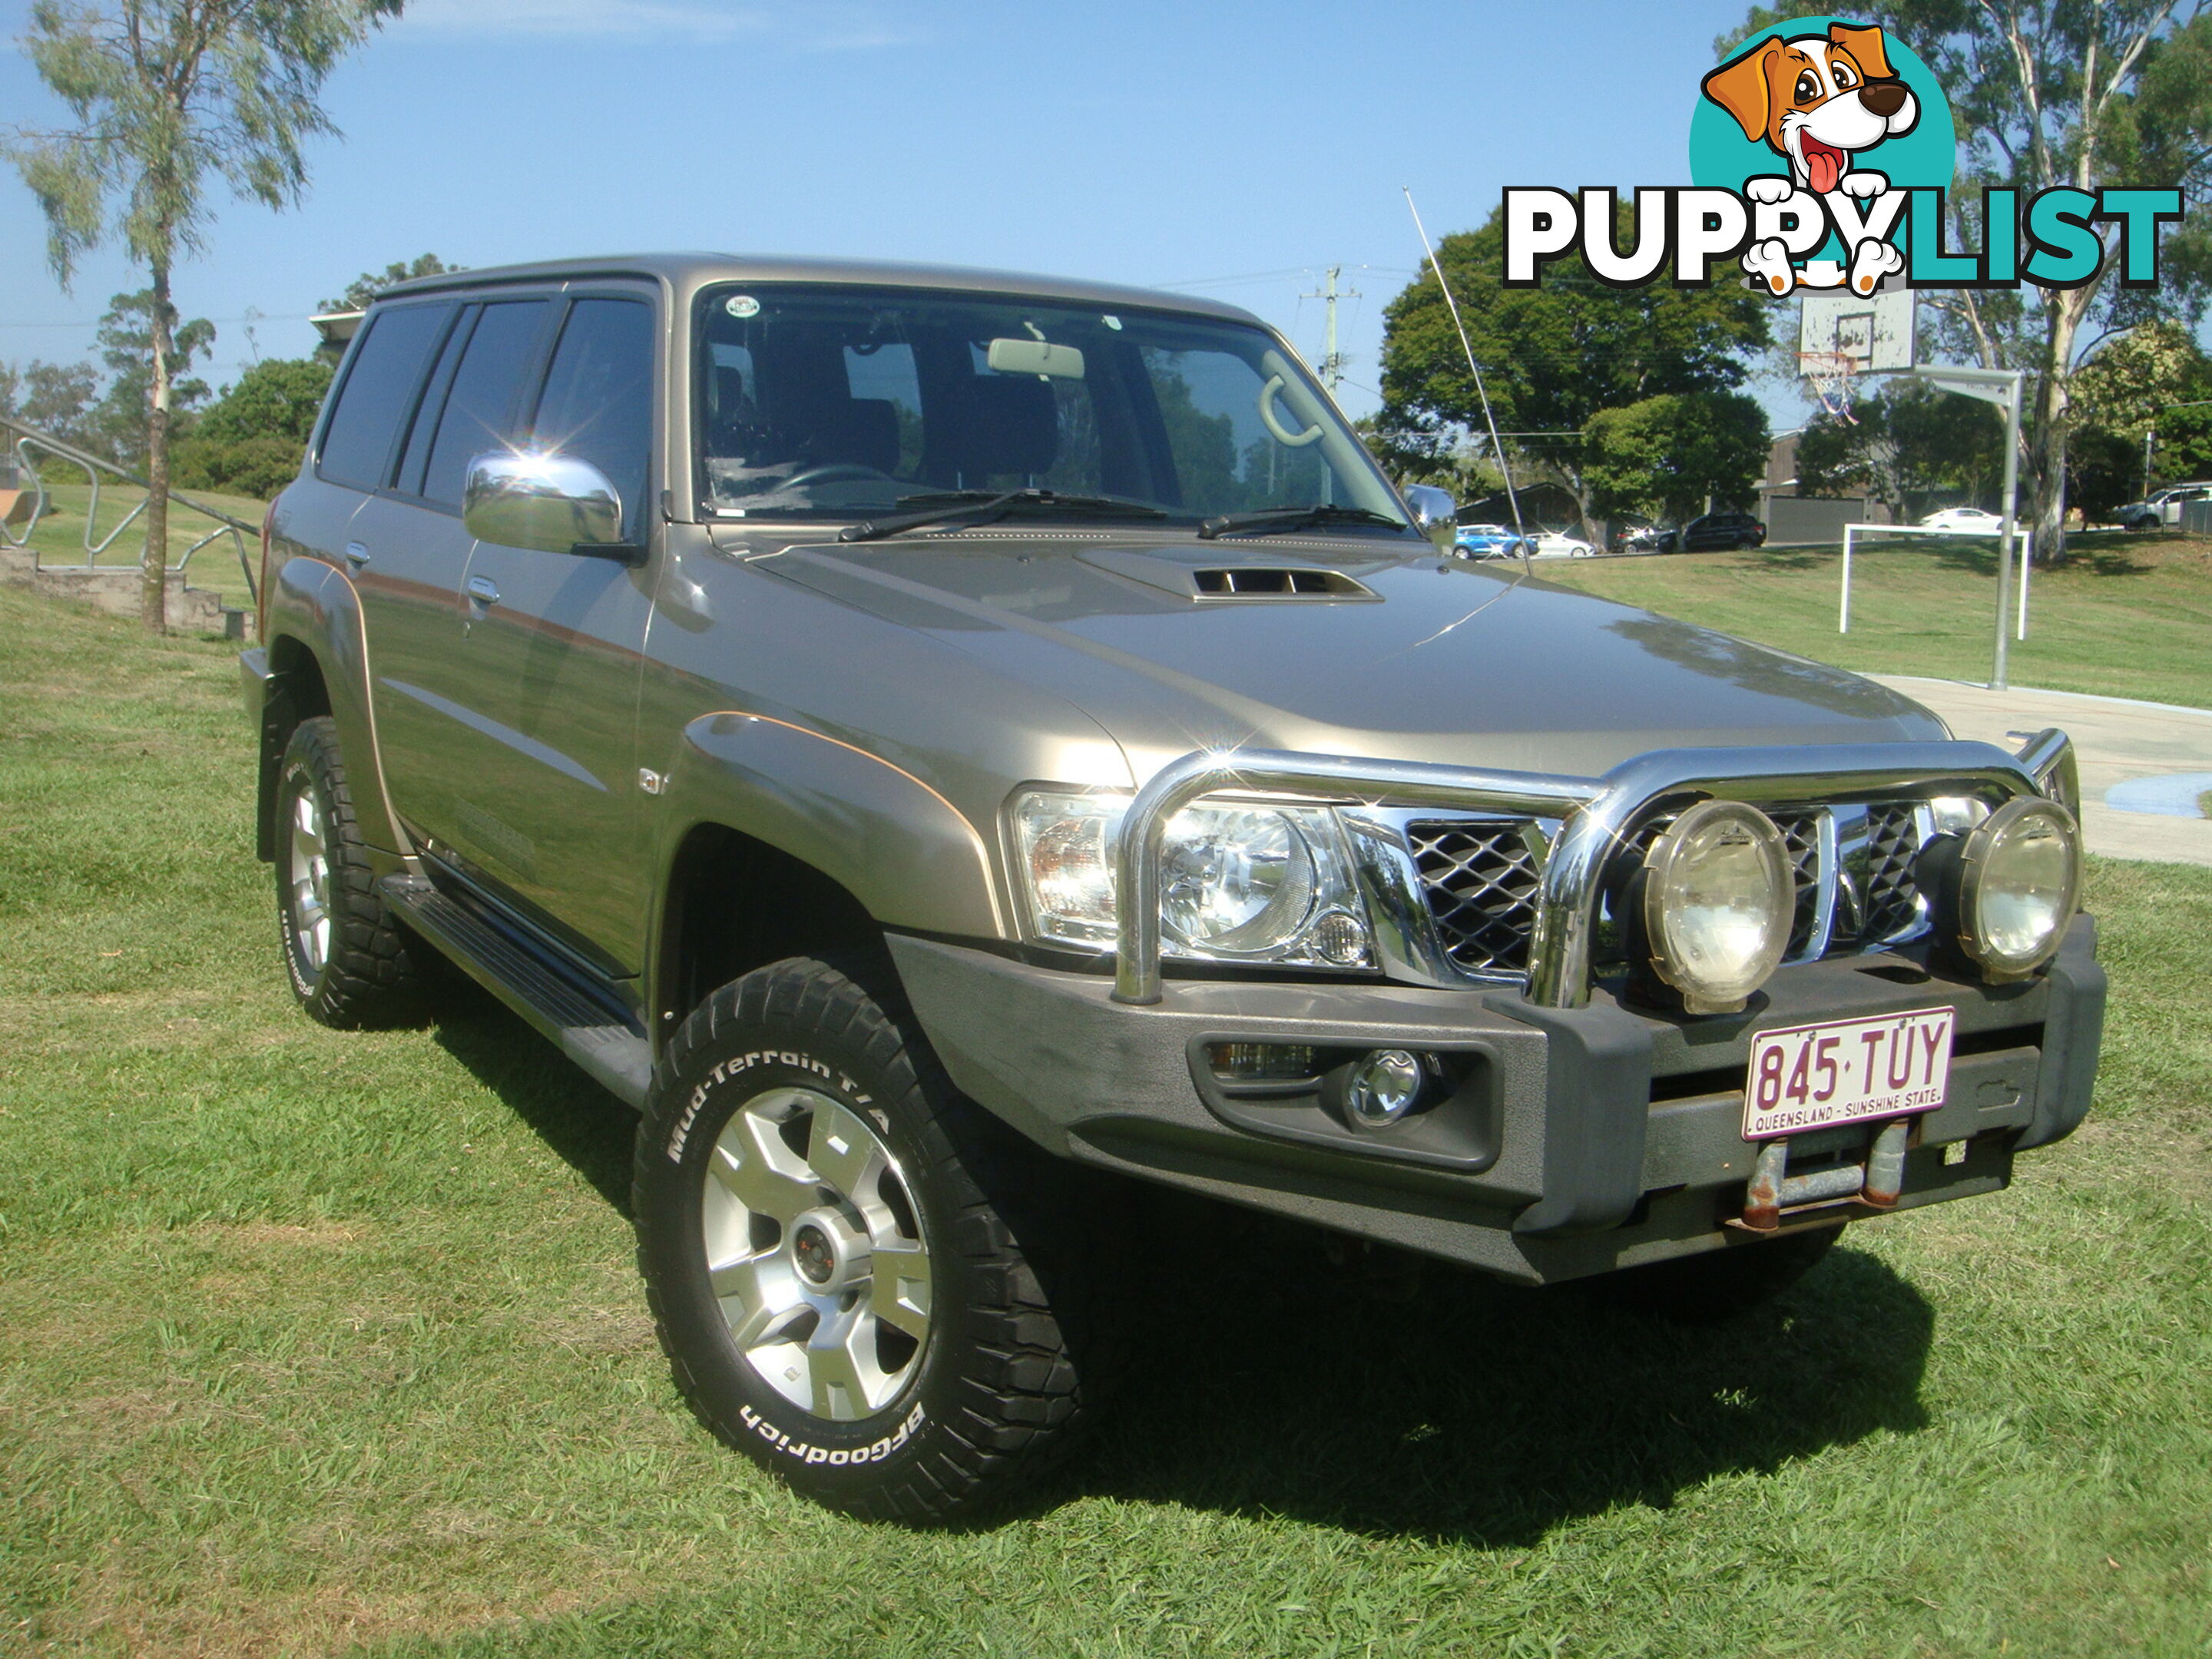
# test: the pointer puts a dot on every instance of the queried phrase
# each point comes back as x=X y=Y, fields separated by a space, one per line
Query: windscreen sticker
x=742 y=305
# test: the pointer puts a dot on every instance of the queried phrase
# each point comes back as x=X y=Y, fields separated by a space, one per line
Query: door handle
x=483 y=590
x=356 y=554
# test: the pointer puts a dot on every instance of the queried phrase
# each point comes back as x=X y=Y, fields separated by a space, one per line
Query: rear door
x=548 y=673
x=407 y=577
x=412 y=554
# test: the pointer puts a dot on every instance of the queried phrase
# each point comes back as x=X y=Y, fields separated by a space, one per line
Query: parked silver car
x=958 y=750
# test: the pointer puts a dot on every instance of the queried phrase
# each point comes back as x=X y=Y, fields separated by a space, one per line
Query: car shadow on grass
x=1273 y=1377
x=1481 y=1413
x=588 y=1127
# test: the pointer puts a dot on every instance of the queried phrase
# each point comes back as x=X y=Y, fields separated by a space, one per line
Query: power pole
x=1331 y=367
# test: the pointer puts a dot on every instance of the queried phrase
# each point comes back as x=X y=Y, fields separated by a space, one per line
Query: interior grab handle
x=1284 y=436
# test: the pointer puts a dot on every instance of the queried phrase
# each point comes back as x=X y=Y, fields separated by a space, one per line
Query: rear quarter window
x=377 y=393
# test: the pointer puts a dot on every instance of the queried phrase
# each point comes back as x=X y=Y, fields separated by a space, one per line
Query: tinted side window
x=597 y=404
x=479 y=411
x=417 y=455
x=387 y=367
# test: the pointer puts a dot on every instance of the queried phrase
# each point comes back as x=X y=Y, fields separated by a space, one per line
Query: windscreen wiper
x=1294 y=517
x=971 y=506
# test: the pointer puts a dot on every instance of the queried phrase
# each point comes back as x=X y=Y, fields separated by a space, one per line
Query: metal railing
x=1596 y=812
x=27 y=438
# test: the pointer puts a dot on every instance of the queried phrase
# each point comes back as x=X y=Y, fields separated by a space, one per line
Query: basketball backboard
x=1872 y=332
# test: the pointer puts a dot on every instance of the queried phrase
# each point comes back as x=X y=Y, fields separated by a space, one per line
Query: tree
x=1667 y=456
x=55 y=397
x=1551 y=356
x=365 y=286
x=2048 y=93
x=252 y=439
x=168 y=96
x=1910 y=445
x=117 y=428
x=2185 y=443
x=2121 y=394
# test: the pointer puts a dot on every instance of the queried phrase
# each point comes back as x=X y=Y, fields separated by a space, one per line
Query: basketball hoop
x=1830 y=374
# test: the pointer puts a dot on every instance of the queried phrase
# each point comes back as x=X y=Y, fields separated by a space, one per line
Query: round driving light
x=1718 y=904
x=1236 y=878
x=2020 y=878
x=1384 y=1087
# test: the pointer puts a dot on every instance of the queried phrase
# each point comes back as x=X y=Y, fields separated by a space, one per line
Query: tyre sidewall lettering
x=795 y=1060
x=807 y=1453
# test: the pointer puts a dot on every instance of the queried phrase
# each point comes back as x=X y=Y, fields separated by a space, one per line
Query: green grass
x=2127 y=616
x=310 y=1340
x=60 y=535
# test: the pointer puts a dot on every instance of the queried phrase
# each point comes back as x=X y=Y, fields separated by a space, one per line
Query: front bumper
x=1576 y=1141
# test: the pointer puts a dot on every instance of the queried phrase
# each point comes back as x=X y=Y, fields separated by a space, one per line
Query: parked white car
x=2162 y=509
x=1558 y=544
x=1963 y=518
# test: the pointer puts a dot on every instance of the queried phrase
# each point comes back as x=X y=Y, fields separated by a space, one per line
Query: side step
x=612 y=1053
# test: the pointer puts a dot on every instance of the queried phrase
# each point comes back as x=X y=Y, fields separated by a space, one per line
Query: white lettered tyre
x=861 y=1279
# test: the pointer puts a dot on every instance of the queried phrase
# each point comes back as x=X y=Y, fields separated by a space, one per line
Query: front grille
x=1801 y=838
x=1892 y=900
x=1480 y=880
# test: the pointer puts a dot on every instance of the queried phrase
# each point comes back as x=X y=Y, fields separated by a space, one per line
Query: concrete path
x=2117 y=741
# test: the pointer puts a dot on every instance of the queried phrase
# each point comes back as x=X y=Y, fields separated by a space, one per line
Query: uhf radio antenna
x=1490 y=419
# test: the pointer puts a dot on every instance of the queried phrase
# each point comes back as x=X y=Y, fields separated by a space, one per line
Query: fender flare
x=317 y=605
x=911 y=858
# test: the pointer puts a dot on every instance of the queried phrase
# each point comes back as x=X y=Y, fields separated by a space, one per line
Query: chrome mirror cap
x=549 y=503
x=1432 y=506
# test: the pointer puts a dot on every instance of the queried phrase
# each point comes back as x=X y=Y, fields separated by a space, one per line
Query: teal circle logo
x=1734 y=141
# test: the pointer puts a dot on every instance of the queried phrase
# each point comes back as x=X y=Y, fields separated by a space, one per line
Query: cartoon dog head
x=1816 y=99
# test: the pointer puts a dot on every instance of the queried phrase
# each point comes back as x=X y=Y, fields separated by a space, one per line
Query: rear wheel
x=861 y=1280
x=1718 y=1284
x=347 y=959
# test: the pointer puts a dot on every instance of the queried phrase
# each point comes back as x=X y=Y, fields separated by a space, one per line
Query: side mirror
x=1436 y=514
x=548 y=503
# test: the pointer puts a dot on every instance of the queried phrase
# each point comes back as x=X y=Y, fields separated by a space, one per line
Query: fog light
x=1384 y=1087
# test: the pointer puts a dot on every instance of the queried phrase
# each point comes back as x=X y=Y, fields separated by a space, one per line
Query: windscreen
x=842 y=402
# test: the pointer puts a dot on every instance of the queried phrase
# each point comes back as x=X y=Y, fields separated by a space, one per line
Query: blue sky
x=1234 y=149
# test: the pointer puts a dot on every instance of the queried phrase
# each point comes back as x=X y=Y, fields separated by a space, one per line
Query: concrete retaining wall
x=114 y=589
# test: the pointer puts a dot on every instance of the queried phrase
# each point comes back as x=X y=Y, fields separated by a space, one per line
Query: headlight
x=1717 y=903
x=2017 y=881
x=1244 y=882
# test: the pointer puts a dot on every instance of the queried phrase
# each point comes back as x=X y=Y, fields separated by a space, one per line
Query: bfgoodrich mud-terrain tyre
x=345 y=956
x=1715 y=1285
x=861 y=1278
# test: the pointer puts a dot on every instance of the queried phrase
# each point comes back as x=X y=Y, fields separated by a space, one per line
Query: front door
x=550 y=665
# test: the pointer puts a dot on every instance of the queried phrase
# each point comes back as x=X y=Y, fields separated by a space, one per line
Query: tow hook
x=1772 y=1190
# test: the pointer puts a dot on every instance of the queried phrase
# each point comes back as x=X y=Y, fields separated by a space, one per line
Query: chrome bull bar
x=1594 y=813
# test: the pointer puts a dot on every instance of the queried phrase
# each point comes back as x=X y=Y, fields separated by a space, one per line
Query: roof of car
x=688 y=272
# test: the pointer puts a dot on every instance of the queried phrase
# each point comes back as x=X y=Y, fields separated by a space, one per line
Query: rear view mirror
x=549 y=503
x=1035 y=357
x=1435 y=511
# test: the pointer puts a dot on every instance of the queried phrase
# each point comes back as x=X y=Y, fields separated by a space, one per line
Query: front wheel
x=861 y=1279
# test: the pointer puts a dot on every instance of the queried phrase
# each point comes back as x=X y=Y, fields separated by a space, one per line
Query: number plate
x=1846 y=1071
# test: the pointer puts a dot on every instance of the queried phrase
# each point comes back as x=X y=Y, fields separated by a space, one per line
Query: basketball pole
x=2001 y=386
